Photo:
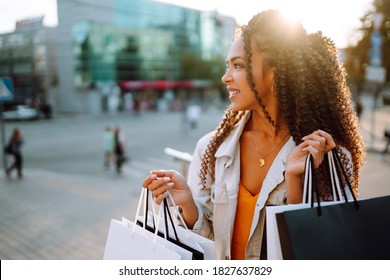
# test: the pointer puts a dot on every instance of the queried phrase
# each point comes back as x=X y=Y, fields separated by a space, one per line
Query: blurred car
x=21 y=112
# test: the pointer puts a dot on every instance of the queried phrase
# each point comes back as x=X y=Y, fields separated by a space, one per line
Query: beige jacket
x=217 y=203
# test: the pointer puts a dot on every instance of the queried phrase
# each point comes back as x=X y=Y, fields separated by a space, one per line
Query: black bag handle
x=340 y=173
x=167 y=214
x=339 y=166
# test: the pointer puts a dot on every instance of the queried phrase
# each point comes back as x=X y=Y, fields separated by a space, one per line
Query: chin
x=236 y=108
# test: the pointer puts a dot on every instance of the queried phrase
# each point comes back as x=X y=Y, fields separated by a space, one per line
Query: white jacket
x=217 y=203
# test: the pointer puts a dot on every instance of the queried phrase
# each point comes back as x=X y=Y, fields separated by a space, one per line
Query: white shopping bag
x=274 y=251
x=188 y=238
x=201 y=247
x=127 y=240
x=206 y=244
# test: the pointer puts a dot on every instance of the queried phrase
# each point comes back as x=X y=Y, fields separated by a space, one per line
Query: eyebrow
x=234 y=58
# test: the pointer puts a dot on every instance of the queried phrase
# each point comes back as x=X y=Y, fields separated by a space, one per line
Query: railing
x=184 y=157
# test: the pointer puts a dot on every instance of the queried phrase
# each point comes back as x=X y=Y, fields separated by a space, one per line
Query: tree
x=193 y=66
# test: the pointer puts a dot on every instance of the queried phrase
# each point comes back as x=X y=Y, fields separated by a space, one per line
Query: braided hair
x=311 y=90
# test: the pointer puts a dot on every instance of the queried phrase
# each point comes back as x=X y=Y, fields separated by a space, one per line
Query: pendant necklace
x=262 y=157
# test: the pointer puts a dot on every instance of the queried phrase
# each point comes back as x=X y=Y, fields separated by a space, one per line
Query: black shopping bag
x=358 y=230
x=342 y=232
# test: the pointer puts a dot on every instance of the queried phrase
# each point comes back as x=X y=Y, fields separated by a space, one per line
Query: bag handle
x=336 y=170
x=339 y=166
x=177 y=212
x=167 y=214
x=163 y=212
x=144 y=201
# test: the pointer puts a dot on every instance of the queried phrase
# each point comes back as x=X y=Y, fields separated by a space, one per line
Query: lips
x=233 y=93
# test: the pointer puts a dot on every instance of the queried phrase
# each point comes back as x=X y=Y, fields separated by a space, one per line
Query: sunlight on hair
x=292 y=13
x=310 y=14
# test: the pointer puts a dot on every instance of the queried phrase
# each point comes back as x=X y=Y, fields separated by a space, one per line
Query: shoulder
x=205 y=140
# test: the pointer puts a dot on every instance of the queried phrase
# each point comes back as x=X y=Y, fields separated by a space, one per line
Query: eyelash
x=236 y=66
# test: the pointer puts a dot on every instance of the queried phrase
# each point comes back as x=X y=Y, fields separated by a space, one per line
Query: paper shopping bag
x=274 y=250
x=341 y=232
x=186 y=234
x=127 y=241
x=168 y=230
x=207 y=245
x=201 y=247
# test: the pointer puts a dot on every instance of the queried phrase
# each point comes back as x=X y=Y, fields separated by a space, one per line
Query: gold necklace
x=262 y=157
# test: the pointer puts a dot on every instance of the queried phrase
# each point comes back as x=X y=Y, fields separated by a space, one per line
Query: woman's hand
x=159 y=182
x=317 y=144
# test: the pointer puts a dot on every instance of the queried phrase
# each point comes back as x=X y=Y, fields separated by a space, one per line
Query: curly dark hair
x=311 y=90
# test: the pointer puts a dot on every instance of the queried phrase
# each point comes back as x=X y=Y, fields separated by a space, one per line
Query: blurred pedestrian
x=13 y=148
x=119 y=148
x=358 y=107
x=109 y=145
x=193 y=114
x=386 y=135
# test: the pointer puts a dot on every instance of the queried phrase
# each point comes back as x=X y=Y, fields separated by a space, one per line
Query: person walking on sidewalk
x=386 y=135
x=119 y=148
x=109 y=145
x=288 y=98
x=14 y=149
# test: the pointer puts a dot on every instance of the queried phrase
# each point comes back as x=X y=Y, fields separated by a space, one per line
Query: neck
x=259 y=123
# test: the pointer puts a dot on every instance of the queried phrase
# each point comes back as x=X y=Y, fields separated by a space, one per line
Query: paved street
x=63 y=206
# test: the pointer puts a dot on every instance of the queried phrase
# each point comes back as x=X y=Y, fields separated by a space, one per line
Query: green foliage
x=194 y=67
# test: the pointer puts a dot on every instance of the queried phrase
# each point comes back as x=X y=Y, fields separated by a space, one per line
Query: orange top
x=243 y=221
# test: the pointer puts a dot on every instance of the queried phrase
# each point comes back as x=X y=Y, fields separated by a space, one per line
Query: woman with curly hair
x=289 y=98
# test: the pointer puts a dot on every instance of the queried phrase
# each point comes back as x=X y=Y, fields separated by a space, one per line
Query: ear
x=270 y=77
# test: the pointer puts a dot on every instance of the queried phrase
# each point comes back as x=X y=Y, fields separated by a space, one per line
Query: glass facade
x=25 y=57
x=105 y=52
x=144 y=41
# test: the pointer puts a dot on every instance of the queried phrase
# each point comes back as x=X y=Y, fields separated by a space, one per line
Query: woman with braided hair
x=289 y=98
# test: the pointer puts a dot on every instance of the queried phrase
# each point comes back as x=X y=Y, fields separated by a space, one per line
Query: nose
x=226 y=78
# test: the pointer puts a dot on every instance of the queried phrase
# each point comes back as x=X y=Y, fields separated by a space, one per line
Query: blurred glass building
x=102 y=49
x=28 y=56
x=108 y=47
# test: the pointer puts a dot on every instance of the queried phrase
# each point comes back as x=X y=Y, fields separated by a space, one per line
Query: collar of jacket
x=229 y=146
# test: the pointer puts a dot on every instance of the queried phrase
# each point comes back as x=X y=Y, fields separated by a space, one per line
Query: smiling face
x=240 y=93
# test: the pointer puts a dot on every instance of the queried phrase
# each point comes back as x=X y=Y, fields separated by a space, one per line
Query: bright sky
x=337 y=19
